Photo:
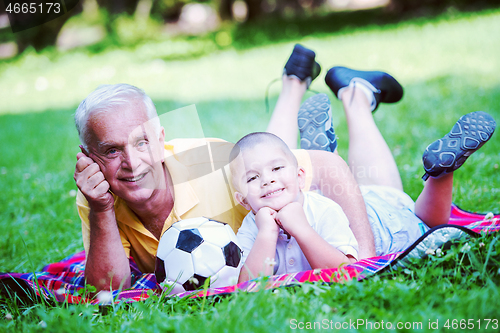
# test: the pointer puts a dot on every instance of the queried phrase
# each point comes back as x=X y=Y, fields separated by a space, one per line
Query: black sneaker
x=315 y=124
x=385 y=88
x=301 y=65
x=449 y=153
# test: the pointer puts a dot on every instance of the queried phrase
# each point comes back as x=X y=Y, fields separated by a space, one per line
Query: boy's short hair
x=251 y=140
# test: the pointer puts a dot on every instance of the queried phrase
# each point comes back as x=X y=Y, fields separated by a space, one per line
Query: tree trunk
x=225 y=9
x=42 y=34
x=254 y=9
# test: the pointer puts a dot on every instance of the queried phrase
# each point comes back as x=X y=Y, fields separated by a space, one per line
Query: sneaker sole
x=469 y=134
x=313 y=118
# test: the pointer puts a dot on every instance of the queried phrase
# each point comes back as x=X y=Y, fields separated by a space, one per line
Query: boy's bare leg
x=433 y=205
x=283 y=121
x=370 y=158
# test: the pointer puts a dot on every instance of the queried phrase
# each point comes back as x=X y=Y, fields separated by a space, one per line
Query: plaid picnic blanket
x=63 y=281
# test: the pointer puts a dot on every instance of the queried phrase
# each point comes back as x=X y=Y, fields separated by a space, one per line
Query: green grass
x=448 y=65
x=431 y=291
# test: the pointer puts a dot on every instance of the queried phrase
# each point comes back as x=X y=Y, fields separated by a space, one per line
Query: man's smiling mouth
x=135 y=179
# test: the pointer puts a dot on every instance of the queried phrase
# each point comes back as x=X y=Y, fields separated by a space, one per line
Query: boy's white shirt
x=325 y=216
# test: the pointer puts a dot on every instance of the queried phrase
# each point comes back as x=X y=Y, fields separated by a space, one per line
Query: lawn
x=448 y=66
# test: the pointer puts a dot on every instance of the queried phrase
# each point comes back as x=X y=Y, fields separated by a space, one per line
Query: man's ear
x=83 y=150
x=241 y=200
x=162 y=135
x=161 y=139
x=301 y=176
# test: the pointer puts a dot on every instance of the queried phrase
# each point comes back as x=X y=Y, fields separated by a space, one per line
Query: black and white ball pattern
x=194 y=250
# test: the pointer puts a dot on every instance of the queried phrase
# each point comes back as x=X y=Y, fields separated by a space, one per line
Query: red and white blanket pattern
x=64 y=281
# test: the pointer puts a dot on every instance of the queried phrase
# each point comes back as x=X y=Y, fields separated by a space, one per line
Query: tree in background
x=43 y=35
x=115 y=7
x=41 y=29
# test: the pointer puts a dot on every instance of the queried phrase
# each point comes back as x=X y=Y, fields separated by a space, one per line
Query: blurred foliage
x=161 y=66
x=424 y=6
x=274 y=28
x=168 y=10
x=128 y=31
x=128 y=23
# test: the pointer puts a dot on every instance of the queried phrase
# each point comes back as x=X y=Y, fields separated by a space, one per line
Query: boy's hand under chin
x=265 y=221
x=292 y=218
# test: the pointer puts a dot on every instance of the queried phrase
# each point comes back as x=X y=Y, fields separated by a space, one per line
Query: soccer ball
x=194 y=250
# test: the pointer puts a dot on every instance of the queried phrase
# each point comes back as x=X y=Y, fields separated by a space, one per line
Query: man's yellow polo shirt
x=202 y=187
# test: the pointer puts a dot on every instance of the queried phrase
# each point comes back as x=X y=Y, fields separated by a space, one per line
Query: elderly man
x=133 y=185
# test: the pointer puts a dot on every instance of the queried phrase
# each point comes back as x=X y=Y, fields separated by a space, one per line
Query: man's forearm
x=334 y=179
x=107 y=266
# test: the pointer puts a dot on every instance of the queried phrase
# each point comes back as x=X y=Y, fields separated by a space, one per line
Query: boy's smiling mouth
x=273 y=192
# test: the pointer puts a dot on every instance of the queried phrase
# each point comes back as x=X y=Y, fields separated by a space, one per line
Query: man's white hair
x=106 y=97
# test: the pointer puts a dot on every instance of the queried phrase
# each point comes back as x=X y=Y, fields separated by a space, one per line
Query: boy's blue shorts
x=391 y=214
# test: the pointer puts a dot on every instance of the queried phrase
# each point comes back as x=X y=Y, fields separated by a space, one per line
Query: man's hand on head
x=91 y=182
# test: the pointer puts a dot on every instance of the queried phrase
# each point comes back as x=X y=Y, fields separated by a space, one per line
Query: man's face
x=128 y=151
x=267 y=177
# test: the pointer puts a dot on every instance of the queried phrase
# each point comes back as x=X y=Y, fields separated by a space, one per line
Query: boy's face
x=267 y=177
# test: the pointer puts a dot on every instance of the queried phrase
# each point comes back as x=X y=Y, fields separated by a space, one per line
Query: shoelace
x=266 y=95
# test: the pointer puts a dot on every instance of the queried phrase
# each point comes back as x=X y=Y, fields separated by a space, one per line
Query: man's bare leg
x=332 y=177
x=370 y=158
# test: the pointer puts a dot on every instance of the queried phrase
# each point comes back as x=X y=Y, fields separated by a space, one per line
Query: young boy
x=396 y=220
x=287 y=230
